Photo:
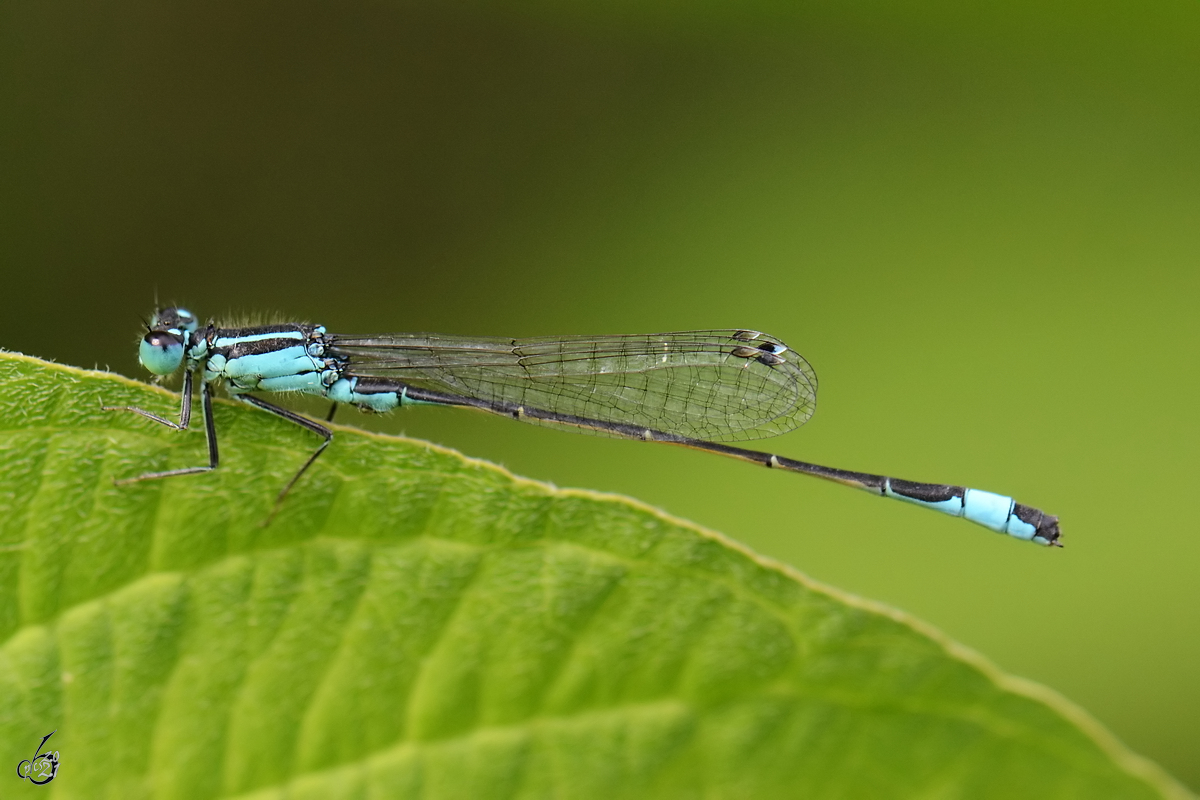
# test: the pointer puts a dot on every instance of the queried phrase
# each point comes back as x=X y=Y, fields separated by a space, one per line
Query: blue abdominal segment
x=345 y=390
x=994 y=511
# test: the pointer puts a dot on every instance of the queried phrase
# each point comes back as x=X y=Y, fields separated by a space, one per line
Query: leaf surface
x=415 y=623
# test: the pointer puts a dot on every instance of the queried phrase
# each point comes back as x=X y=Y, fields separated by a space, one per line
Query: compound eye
x=161 y=352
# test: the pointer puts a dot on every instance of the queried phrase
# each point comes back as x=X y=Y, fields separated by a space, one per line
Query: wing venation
x=719 y=385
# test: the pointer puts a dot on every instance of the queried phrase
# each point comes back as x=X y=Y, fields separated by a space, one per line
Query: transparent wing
x=719 y=385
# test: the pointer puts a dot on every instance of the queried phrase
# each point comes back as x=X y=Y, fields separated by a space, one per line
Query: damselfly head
x=161 y=349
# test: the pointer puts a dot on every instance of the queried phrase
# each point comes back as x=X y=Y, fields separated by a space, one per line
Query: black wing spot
x=769 y=359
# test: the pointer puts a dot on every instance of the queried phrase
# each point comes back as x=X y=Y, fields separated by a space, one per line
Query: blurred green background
x=980 y=224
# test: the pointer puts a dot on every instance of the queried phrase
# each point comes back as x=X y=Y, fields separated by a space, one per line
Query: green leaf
x=417 y=623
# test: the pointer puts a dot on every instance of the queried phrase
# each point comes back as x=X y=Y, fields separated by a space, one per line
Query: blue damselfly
x=698 y=389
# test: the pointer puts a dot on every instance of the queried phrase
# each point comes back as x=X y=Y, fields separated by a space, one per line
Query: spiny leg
x=185 y=408
x=332 y=410
x=303 y=422
x=185 y=418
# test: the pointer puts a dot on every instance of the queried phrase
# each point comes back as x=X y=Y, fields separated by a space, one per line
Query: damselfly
x=699 y=389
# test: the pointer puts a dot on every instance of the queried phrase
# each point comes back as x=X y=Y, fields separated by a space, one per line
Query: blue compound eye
x=161 y=352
